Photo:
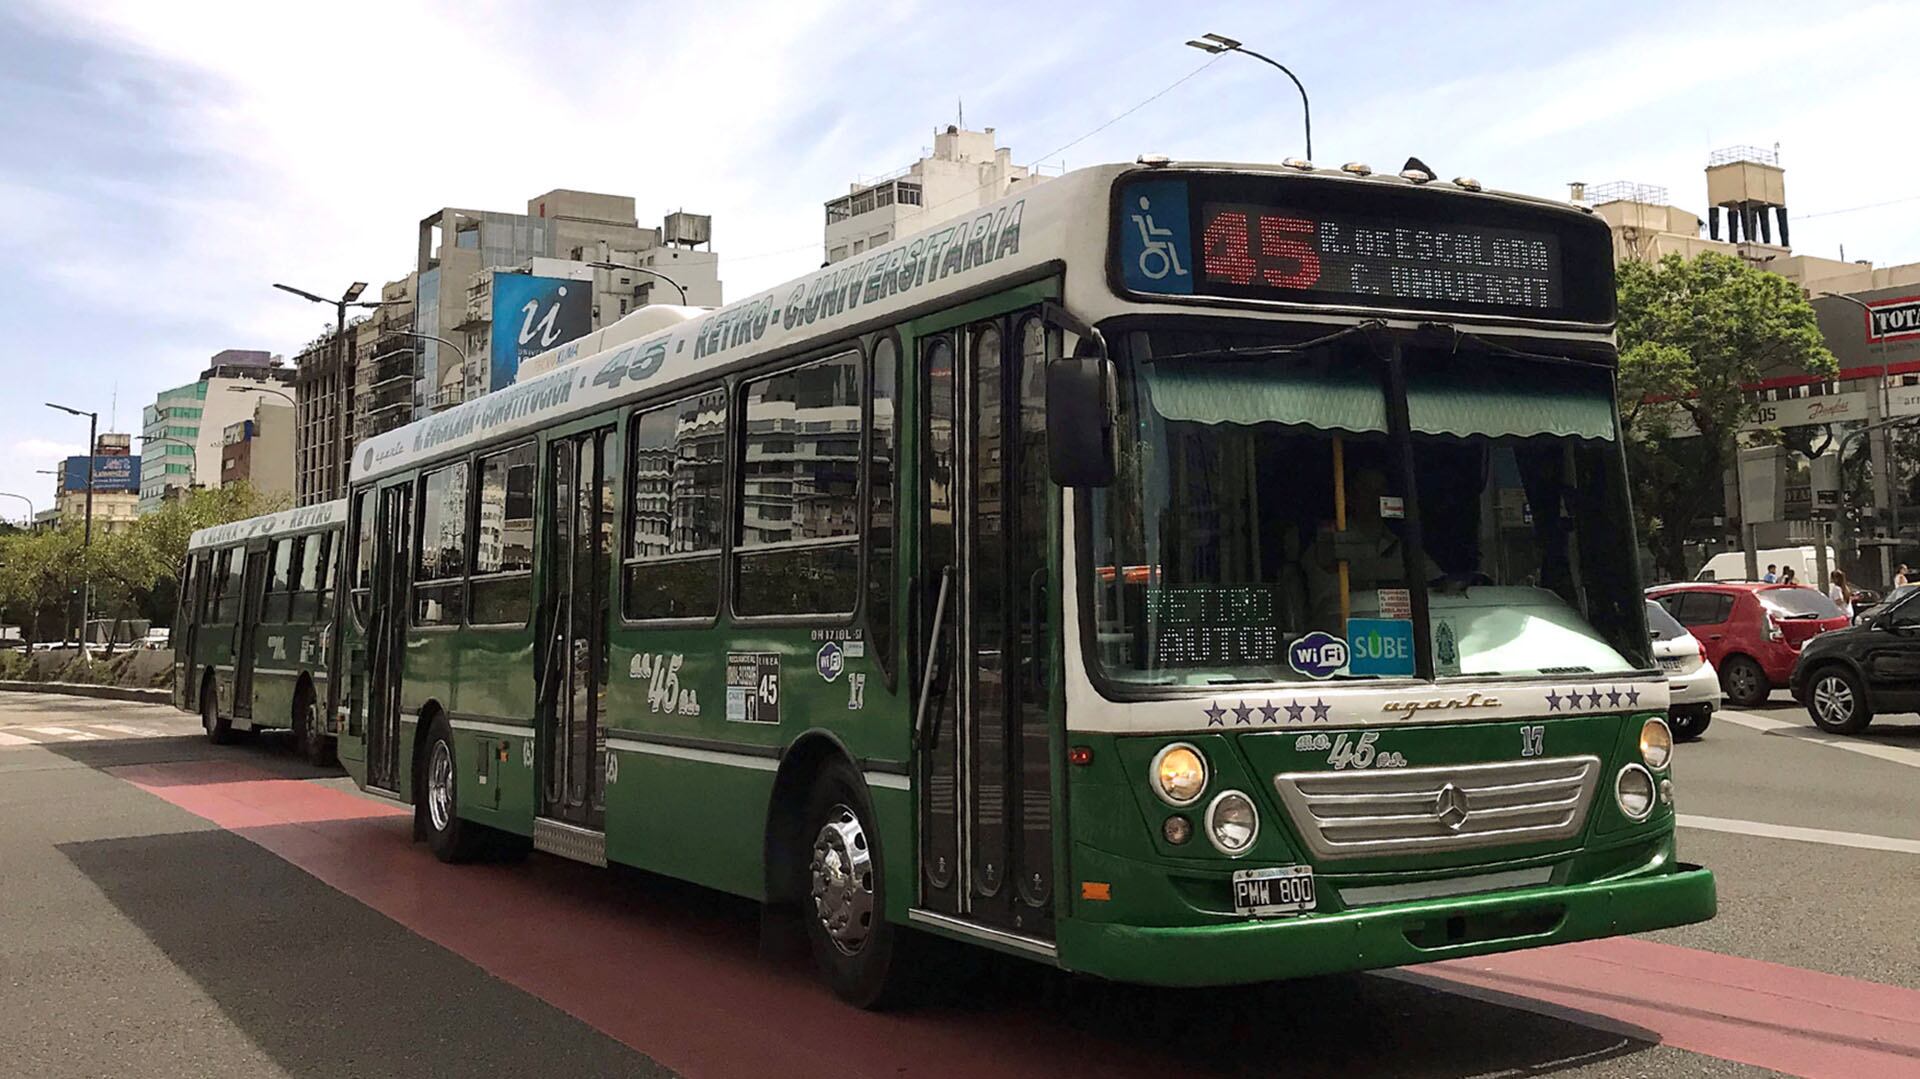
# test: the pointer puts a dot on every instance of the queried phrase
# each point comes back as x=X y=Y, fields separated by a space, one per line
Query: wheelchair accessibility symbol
x=1157 y=255
x=1156 y=250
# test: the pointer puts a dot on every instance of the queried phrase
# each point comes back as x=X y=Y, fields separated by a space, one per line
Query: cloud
x=43 y=449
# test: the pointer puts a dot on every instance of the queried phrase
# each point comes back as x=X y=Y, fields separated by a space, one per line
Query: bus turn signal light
x=1098 y=890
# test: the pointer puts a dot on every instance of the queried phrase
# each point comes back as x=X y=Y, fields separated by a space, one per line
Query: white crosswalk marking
x=121 y=728
x=14 y=740
x=68 y=733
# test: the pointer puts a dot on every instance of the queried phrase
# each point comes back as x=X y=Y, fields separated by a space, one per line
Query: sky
x=163 y=164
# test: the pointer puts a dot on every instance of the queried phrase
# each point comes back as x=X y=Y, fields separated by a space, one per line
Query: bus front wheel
x=855 y=948
x=219 y=731
x=437 y=800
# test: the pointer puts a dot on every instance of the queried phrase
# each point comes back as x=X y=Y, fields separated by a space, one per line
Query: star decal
x=1633 y=695
x=1216 y=715
x=1295 y=710
x=1320 y=710
x=1593 y=699
x=1553 y=700
x=1613 y=696
x=1269 y=714
x=1242 y=714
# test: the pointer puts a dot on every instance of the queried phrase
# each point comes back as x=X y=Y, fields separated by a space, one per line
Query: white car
x=1693 y=686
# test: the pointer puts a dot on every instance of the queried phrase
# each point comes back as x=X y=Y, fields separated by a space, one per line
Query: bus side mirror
x=1080 y=421
x=1079 y=406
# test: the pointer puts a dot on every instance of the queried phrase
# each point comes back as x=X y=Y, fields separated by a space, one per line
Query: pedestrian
x=1786 y=576
x=1840 y=593
x=1904 y=576
x=1772 y=573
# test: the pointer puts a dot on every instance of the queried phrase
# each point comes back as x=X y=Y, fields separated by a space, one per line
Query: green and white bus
x=1179 y=573
x=253 y=632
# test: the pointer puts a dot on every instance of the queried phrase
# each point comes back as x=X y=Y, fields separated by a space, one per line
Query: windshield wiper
x=1272 y=350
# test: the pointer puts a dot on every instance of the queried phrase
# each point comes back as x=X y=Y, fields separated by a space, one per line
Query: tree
x=1693 y=334
x=153 y=559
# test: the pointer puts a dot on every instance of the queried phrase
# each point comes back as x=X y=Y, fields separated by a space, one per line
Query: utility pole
x=86 y=541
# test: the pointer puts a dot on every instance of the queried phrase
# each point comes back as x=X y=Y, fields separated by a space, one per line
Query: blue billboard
x=533 y=314
x=109 y=474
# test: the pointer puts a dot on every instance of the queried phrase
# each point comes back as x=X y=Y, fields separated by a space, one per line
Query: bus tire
x=219 y=731
x=436 y=803
x=855 y=948
x=309 y=742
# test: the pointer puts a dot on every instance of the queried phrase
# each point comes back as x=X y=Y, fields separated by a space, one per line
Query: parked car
x=1693 y=686
x=1753 y=632
x=1872 y=667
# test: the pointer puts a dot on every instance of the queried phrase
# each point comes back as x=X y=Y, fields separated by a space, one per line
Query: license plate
x=1671 y=663
x=1287 y=889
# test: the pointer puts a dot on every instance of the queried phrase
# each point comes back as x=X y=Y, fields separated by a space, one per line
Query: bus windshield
x=1258 y=527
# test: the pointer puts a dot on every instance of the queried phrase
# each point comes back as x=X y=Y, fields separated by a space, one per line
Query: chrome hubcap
x=440 y=786
x=842 y=873
x=1833 y=699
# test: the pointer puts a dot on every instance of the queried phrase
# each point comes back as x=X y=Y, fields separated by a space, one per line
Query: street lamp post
x=347 y=299
x=682 y=289
x=86 y=538
x=1216 y=44
x=23 y=498
x=192 y=451
x=457 y=350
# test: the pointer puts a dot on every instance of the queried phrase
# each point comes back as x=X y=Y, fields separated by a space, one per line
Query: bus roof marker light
x=1418 y=176
x=1358 y=168
x=1300 y=163
x=1466 y=182
x=1153 y=161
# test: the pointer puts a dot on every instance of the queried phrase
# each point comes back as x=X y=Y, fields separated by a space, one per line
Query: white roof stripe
x=286 y=522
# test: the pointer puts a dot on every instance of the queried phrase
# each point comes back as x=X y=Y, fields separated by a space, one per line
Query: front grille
x=1432 y=810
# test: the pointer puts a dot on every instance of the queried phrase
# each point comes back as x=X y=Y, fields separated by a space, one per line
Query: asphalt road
x=169 y=908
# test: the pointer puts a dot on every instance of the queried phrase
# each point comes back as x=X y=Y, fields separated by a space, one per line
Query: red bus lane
x=690 y=989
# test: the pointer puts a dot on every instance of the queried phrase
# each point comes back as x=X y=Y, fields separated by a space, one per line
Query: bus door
x=573 y=664
x=984 y=764
x=388 y=612
x=190 y=613
x=253 y=592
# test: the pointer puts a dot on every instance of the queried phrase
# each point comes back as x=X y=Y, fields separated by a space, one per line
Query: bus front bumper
x=1394 y=935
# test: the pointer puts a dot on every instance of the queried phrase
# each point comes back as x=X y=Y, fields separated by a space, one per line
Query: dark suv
x=1872 y=666
x=1753 y=631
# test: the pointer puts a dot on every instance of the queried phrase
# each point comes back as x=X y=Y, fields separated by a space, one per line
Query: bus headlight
x=1656 y=743
x=1179 y=774
x=1633 y=789
x=1232 y=823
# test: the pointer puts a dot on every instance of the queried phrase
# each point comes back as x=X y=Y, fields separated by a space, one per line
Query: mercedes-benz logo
x=1450 y=807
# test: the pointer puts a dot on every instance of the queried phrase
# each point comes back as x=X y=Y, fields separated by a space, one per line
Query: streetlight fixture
x=1216 y=44
x=86 y=538
x=23 y=498
x=457 y=350
x=347 y=299
x=682 y=289
x=282 y=394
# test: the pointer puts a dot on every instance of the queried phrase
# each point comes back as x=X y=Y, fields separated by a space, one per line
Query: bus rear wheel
x=219 y=731
x=309 y=742
x=855 y=948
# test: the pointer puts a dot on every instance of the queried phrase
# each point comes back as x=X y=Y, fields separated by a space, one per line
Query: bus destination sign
x=1461 y=266
x=1337 y=243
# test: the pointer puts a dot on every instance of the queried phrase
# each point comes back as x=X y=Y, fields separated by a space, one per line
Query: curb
x=78 y=689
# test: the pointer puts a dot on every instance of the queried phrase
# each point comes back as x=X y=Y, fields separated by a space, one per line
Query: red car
x=1752 y=630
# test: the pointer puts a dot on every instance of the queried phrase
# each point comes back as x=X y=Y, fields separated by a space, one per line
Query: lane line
x=15 y=740
x=1803 y=733
x=1831 y=838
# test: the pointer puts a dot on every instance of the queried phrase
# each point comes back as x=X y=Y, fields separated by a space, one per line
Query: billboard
x=533 y=314
x=109 y=474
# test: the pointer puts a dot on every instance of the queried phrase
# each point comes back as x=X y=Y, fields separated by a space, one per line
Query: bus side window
x=503 y=539
x=440 y=566
x=361 y=580
x=881 y=500
x=289 y=581
x=229 y=567
x=798 y=545
x=676 y=464
x=320 y=575
x=301 y=606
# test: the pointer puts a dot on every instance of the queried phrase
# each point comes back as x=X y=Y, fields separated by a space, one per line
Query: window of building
x=881 y=499
x=442 y=546
x=503 y=540
x=798 y=549
x=676 y=470
x=859 y=246
x=879 y=238
x=837 y=253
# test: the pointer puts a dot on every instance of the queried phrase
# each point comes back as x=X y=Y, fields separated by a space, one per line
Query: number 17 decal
x=1533 y=741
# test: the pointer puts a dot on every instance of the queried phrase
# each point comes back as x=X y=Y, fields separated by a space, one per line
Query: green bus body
x=1068 y=863
x=256 y=620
